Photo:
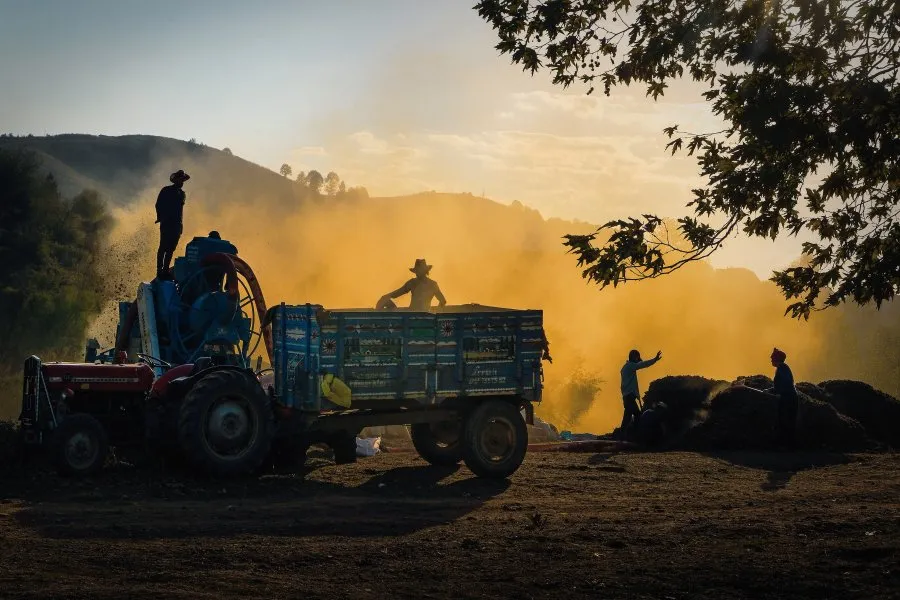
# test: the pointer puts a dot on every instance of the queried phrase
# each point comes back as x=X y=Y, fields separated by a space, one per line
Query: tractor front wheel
x=226 y=425
x=495 y=439
x=80 y=445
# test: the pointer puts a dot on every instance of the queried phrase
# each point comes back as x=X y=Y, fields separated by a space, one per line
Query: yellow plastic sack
x=336 y=390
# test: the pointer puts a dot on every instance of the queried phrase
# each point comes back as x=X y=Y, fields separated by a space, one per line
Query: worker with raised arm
x=421 y=288
x=169 y=213
x=630 y=388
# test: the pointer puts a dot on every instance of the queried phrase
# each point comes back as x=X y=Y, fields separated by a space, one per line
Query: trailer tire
x=225 y=424
x=80 y=446
x=438 y=443
x=495 y=439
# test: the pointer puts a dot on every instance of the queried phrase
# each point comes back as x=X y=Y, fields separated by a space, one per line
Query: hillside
x=348 y=252
x=123 y=168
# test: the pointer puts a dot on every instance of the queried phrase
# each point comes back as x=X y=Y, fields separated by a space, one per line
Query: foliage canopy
x=809 y=92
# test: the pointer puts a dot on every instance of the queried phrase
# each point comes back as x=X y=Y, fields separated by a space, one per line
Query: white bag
x=368 y=446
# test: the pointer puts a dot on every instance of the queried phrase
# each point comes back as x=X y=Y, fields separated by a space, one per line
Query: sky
x=400 y=96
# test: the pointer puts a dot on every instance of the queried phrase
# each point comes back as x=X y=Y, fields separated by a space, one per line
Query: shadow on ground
x=781 y=466
x=131 y=504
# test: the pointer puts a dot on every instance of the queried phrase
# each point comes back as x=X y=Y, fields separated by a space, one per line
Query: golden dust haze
x=346 y=254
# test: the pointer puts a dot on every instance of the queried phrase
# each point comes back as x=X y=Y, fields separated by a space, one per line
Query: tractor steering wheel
x=153 y=362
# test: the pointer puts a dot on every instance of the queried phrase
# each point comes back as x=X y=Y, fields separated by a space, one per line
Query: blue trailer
x=465 y=378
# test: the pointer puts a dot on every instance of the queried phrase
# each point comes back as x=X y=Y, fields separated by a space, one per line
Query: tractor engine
x=210 y=307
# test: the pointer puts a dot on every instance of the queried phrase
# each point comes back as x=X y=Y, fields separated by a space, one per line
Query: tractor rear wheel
x=495 y=439
x=80 y=445
x=438 y=443
x=225 y=425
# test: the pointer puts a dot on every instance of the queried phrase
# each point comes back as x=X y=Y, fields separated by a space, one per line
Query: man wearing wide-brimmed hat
x=169 y=212
x=422 y=288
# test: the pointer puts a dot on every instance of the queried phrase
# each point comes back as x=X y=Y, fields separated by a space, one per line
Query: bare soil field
x=627 y=525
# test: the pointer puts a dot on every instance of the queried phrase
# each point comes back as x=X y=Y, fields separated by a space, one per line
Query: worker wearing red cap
x=788 y=400
x=169 y=211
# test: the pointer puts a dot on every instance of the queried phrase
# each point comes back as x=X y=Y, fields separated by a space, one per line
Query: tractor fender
x=179 y=385
x=161 y=385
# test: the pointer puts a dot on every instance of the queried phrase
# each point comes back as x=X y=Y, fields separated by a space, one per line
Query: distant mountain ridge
x=122 y=167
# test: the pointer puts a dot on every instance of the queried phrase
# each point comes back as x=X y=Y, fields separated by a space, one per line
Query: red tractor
x=218 y=417
x=178 y=380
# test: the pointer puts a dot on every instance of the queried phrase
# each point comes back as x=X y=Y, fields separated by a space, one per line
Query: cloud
x=594 y=177
x=311 y=151
x=581 y=105
x=564 y=153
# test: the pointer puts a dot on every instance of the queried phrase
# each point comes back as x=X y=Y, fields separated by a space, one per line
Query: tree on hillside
x=342 y=189
x=286 y=170
x=809 y=91
x=227 y=151
x=332 y=183
x=52 y=285
x=357 y=192
x=301 y=177
x=314 y=181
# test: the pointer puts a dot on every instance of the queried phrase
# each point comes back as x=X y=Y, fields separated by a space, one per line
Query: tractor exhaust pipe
x=125 y=331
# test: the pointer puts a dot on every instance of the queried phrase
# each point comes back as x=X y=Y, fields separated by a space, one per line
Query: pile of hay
x=706 y=414
x=687 y=400
x=878 y=412
x=759 y=382
x=741 y=418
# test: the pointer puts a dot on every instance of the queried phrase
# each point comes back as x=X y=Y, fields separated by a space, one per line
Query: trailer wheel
x=438 y=443
x=225 y=425
x=80 y=446
x=495 y=439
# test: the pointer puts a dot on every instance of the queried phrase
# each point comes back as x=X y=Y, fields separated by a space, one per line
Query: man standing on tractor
x=422 y=288
x=169 y=212
x=630 y=390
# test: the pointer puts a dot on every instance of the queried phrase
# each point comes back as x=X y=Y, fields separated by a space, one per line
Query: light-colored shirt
x=630 y=378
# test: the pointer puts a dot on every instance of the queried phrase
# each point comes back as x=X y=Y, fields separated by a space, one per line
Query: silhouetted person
x=421 y=287
x=216 y=276
x=630 y=389
x=788 y=400
x=169 y=212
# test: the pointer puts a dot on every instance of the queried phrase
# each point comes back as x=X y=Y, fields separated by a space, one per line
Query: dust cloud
x=344 y=254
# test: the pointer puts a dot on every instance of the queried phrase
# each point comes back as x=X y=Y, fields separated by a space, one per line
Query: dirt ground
x=666 y=525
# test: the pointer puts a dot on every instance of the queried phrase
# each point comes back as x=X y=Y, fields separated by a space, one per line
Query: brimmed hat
x=179 y=175
x=421 y=267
